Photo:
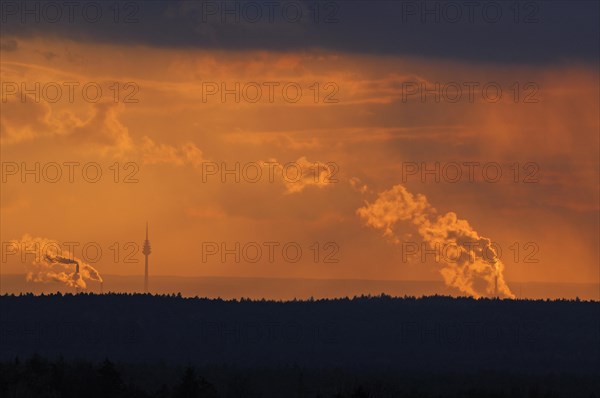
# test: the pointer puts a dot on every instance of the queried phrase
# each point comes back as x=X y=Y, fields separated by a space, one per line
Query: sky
x=393 y=141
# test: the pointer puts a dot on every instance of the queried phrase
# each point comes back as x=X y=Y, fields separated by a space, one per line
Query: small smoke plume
x=302 y=173
x=49 y=263
x=473 y=260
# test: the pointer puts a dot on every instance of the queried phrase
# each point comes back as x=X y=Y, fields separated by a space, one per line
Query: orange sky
x=366 y=136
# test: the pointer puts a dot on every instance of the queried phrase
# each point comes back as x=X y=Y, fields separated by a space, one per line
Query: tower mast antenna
x=146 y=251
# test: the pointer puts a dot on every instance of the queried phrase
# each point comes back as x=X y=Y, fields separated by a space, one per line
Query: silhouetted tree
x=207 y=390
x=192 y=386
x=359 y=392
x=163 y=392
x=110 y=381
x=57 y=375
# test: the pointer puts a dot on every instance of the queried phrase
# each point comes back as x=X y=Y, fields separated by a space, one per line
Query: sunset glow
x=206 y=143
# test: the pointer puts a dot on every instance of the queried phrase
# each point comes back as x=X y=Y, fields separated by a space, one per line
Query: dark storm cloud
x=8 y=45
x=504 y=31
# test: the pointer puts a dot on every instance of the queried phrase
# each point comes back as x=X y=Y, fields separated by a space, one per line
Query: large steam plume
x=51 y=263
x=474 y=262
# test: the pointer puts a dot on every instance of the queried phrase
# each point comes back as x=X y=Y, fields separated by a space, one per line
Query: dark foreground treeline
x=431 y=334
x=36 y=377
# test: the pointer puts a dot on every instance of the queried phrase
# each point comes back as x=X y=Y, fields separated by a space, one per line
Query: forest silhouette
x=142 y=345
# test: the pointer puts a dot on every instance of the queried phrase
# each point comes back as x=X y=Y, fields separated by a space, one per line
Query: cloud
x=532 y=32
x=393 y=206
x=9 y=45
x=104 y=130
x=365 y=134
x=302 y=173
x=157 y=153
x=26 y=120
x=52 y=264
x=469 y=259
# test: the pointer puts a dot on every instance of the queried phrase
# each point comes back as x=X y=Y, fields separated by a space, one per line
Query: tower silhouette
x=146 y=251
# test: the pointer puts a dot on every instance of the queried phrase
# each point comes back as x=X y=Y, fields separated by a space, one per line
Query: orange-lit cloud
x=170 y=132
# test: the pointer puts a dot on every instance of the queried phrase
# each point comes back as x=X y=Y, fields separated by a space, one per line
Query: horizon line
x=315 y=279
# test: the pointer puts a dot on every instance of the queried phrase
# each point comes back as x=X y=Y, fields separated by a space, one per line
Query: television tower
x=77 y=277
x=146 y=251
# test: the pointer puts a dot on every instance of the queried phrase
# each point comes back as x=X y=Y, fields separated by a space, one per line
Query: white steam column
x=496 y=280
x=496 y=286
x=146 y=251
